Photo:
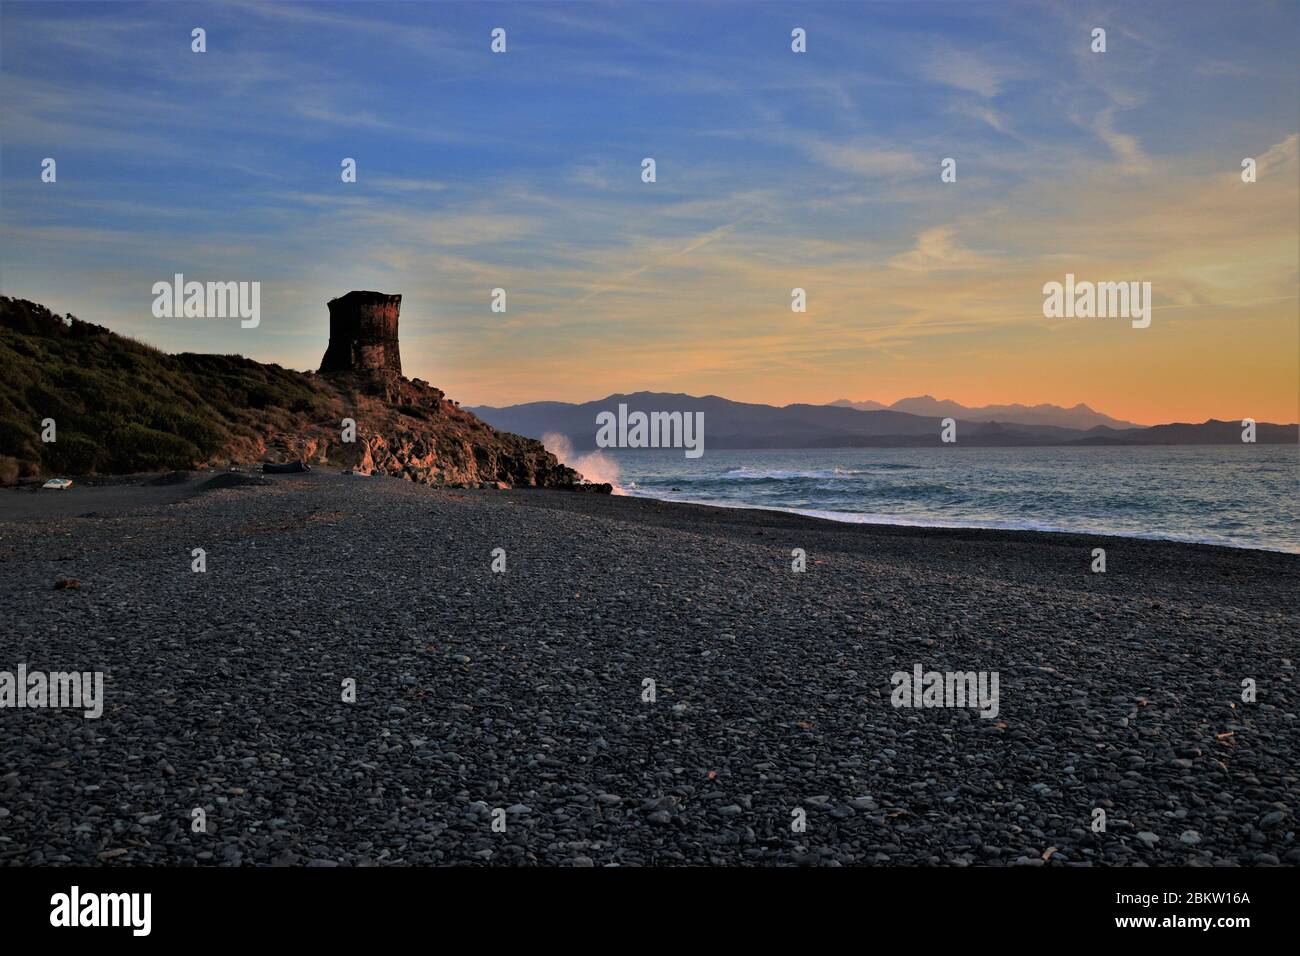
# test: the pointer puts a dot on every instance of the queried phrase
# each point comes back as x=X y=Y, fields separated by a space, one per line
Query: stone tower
x=363 y=333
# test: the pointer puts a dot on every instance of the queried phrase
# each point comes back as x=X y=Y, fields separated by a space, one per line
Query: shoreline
x=142 y=489
x=855 y=517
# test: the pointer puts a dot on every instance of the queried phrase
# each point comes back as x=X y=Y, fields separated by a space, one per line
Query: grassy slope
x=120 y=406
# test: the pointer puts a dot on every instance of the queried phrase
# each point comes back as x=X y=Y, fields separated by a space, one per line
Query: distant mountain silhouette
x=729 y=424
x=867 y=406
x=1080 y=416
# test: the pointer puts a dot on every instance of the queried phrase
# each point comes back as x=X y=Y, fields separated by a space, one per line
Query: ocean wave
x=786 y=474
x=776 y=474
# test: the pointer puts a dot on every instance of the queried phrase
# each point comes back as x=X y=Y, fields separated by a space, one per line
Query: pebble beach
x=503 y=717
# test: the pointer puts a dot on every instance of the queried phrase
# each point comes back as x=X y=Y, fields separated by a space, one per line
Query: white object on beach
x=58 y=483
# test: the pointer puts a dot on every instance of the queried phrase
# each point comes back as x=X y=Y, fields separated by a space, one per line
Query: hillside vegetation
x=120 y=407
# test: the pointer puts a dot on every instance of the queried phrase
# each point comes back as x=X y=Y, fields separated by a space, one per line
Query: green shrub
x=73 y=454
x=261 y=397
x=49 y=404
x=206 y=436
x=18 y=438
x=137 y=448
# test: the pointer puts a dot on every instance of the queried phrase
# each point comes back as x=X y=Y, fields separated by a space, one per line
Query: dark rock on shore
x=172 y=478
x=233 y=479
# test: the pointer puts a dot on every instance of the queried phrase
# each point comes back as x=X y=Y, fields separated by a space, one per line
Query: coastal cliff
x=119 y=406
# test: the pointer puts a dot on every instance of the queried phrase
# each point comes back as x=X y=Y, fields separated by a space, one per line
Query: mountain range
x=731 y=424
x=1080 y=416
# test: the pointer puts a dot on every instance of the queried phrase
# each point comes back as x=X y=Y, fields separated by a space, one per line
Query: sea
x=1242 y=496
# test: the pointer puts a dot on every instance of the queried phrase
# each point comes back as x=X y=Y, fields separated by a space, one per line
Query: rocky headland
x=119 y=406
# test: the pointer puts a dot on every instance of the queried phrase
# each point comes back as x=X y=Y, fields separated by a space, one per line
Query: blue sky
x=775 y=170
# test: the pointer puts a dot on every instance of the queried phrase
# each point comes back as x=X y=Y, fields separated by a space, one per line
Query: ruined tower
x=363 y=333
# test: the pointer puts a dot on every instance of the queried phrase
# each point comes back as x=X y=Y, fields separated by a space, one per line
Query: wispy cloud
x=865 y=160
x=966 y=70
x=938 y=249
x=698 y=242
x=1124 y=146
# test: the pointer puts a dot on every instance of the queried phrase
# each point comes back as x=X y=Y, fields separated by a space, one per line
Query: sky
x=775 y=170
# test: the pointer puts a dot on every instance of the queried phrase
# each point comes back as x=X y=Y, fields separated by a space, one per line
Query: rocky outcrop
x=408 y=429
x=363 y=333
x=404 y=427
